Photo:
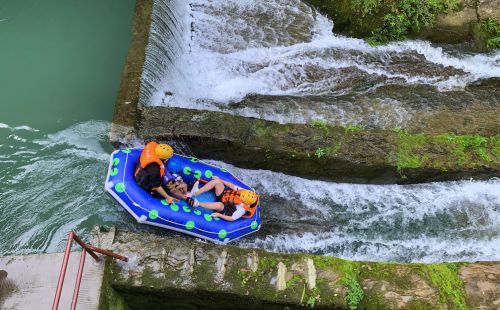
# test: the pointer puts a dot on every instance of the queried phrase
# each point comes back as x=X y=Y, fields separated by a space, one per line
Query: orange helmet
x=248 y=197
x=164 y=151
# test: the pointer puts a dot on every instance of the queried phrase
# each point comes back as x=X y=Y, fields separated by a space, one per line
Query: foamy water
x=283 y=48
x=452 y=221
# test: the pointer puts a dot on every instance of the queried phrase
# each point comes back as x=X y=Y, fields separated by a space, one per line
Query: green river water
x=60 y=68
x=61 y=60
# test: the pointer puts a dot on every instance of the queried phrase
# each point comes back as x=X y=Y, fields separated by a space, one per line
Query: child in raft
x=232 y=202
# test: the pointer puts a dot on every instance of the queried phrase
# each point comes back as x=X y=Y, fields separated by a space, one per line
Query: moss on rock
x=181 y=273
x=318 y=150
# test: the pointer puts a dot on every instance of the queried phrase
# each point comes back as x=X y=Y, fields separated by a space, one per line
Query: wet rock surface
x=190 y=274
x=482 y=285
x=314 y=151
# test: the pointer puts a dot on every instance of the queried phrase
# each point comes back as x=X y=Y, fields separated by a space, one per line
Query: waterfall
x=279 y=60
x=168 y=35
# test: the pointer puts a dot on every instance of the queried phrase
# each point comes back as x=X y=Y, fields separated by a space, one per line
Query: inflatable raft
x=178 y=216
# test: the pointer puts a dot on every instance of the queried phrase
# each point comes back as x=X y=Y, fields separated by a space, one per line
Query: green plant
x=351 y=128
x=409 y=16
x=366 y=6
x=319 y=123
x=311 y=301
x=491 y=31
x=320 y=152
x=355 y=292
x=489 y=25
x=493 y=43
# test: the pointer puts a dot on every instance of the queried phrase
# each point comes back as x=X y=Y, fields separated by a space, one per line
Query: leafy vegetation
x=491 y=31
x=384 y=21
x=355 y=293
x=320 y=152
x=405 y=17
x=319 y=123
x=352 y=128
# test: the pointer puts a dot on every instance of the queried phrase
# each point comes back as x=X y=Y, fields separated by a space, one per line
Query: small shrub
x=320 y=152
x=491 y=32
x=355 y=294
x=409 y=16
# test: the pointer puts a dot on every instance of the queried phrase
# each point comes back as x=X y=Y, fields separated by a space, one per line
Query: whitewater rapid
x=273 y=59
x=52 y=183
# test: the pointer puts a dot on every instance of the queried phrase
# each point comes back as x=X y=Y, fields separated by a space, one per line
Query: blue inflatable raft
x=178 y=216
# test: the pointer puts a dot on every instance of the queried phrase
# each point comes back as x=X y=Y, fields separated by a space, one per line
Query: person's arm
x=240 y=211
x=164 y=194
x=222 y=216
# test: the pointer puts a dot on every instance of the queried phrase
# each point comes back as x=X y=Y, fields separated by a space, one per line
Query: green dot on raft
x=164 y=202
x=116 y=161
x=153 y=214
x=113 y=172
x=208 y=174
x=186 y=209
x=217 y=218
x=208 y=217
x=223 y=169
x=197 y=174
x=194 y=159
x=222 y=234
x=197 y=212
x=187 y=170
x=120 y=187
x=174 y=207
x=189 y=225
x=253 y=225
x=126 y=151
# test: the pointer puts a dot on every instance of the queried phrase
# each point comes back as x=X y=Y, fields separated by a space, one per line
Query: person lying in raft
x=176 y=186
x=233 y=202
x=150 y=171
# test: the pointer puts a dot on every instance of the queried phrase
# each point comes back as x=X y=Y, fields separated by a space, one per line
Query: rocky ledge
x=347 y=154
x=165 y=272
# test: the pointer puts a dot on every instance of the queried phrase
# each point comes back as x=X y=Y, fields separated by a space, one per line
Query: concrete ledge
x=349 y=154
x=126 y=108
x=169 y=272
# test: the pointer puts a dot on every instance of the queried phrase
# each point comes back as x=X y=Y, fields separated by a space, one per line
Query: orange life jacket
x=148 y=156
x=232 y=198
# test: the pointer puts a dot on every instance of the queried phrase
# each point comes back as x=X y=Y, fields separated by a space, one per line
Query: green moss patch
x=444 y=276
x=462 y=151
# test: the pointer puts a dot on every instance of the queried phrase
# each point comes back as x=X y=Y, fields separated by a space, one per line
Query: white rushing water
x=228 y=50
x=450 y=221
x=52 y=183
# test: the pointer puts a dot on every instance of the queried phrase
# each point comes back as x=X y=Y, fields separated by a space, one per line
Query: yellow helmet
x=248 y=197
x=164 y=151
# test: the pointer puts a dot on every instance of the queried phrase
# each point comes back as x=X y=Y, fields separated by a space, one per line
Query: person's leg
x=216 y=206
x=215 y=183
